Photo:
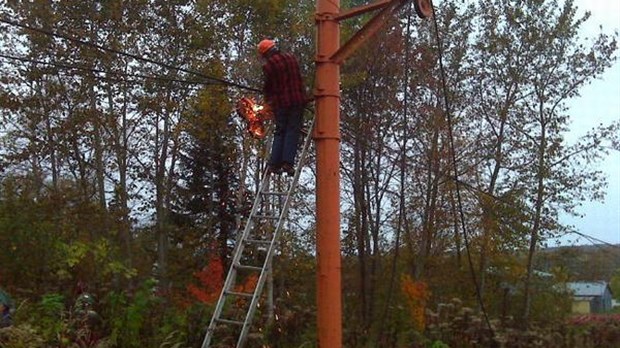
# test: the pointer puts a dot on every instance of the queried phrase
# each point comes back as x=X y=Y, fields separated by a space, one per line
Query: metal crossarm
x=236 y=300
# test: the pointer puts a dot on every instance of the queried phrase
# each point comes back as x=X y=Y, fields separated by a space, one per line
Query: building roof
x=588 y=288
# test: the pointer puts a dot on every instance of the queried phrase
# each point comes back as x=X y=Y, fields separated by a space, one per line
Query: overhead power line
x=595 y=240
x=507 y=203
x=458 y=182
x=131 y=55
x=99 y=71
x=456 y=173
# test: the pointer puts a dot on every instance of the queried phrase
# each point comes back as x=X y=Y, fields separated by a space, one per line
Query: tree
x=560 y=66
x=209 y=183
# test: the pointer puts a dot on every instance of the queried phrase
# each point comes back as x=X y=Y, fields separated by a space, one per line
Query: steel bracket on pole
x=388 y=9
x=362 y=9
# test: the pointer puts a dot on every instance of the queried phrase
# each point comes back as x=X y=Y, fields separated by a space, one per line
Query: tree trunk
x=120 y=141
x=430 y=206
x=538 y=205
x=360 y=226
x=98 y=148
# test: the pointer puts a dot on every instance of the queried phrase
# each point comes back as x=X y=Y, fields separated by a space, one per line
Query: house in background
x=590 y=297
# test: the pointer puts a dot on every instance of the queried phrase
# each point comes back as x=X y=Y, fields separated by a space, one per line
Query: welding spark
x=254 y=115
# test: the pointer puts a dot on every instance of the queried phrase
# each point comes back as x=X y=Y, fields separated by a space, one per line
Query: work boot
x=274 y=169
x=288 y=169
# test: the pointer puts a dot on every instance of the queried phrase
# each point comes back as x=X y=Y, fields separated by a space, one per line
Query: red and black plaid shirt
x=283 y=83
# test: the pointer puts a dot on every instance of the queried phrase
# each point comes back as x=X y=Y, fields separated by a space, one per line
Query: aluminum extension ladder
x=251 y=239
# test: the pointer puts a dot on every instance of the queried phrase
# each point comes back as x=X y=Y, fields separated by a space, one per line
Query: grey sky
x=599 y=103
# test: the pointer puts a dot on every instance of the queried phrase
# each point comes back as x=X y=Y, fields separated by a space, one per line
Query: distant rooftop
x=588 y=288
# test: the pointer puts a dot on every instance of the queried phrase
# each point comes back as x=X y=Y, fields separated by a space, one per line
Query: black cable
x=107 y=49
x=496 y=198
x=456 y=180
x=529 y=210
x=594 y=239
x=87 y=69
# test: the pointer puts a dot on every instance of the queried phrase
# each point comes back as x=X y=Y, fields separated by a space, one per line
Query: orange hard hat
x=265 y=46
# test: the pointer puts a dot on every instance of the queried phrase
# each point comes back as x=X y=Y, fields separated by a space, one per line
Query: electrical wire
x=456 y=179
x=472 y=188
x=594 y=239
x=529 y=210
x=99 y=71
x=134 y=56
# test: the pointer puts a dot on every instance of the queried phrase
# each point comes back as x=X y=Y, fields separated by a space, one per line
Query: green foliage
x=108 y=263
x=130 y=316
x=585 y=262
x=21 y=336
x=49 y=317
x=551 y=304
x=439 y=344
x=143 y=319
x=49 y=241
x=28 y=234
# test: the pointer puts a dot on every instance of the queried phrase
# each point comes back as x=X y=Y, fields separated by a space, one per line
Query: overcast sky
x=599 y=103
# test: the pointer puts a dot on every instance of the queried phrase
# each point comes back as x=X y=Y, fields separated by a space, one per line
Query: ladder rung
x=272 y=217
x=240 y=294
x=226 y=321
x=258 y=241
x=251 y=268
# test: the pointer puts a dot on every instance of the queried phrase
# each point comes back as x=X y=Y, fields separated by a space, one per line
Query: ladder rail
x=276 y=235
x=237 y=253
x=239 y=248
x=255 y=206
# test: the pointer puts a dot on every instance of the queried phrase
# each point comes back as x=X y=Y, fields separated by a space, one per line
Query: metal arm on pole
x=374 y=24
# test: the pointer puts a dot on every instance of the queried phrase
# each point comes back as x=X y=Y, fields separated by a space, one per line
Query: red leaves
x=594 y=319
x=211 y=278
x=416 y=295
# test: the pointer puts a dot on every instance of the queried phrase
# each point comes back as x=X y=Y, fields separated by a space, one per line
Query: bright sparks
x=255 y=116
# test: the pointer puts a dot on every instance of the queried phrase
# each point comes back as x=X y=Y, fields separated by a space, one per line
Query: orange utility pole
x=329 y=56
x=327 y=138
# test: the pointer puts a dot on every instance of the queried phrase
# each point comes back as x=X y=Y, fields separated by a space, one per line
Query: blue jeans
x=286 y=136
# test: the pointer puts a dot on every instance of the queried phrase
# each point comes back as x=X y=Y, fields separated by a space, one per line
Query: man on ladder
x=284 y=92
